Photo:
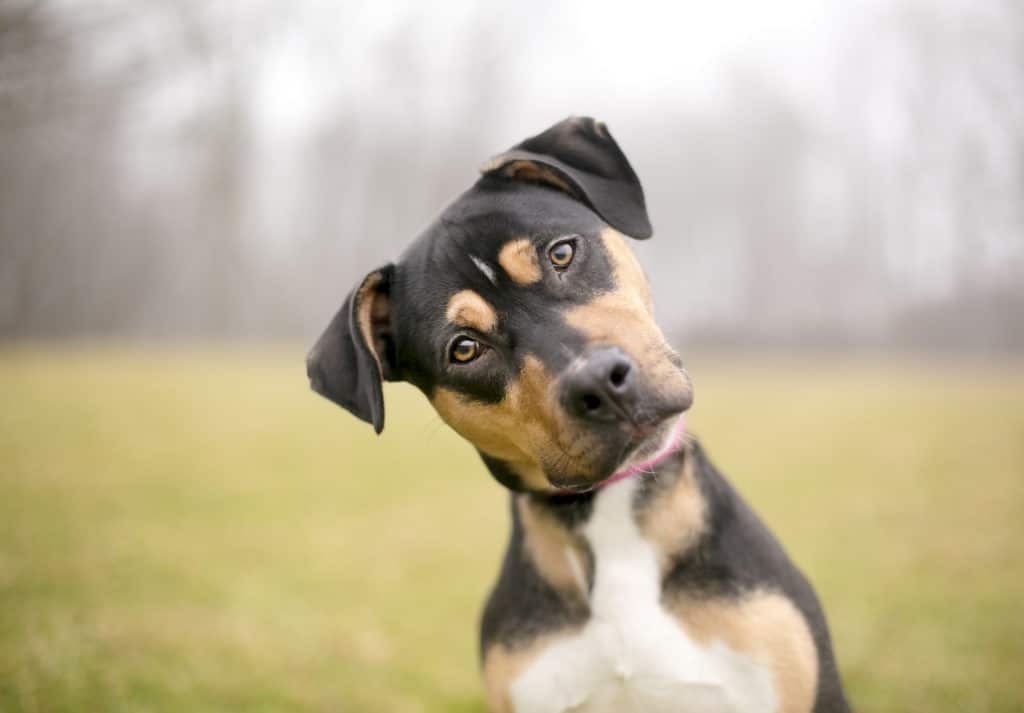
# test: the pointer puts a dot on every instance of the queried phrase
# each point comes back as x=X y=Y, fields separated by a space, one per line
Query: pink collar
x=670 y=446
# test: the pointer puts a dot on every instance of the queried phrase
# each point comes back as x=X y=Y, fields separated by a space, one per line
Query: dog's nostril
x=618 y=375
x=601 y=388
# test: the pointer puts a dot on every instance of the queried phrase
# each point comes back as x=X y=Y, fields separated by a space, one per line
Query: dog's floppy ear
x=580 y=157
x=356 y=351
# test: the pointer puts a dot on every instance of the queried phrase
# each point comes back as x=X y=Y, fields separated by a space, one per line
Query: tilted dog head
x=523 y=315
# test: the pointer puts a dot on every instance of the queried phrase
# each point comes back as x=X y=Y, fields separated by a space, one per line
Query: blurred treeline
x=193 y=169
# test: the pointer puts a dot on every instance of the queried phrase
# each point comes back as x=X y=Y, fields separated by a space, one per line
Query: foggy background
x=818 y=174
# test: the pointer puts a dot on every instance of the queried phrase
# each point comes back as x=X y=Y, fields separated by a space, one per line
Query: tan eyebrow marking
x=518 y=258
x=518 y=429
x=468 y=309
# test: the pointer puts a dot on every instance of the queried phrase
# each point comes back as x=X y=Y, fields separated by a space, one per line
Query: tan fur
x=765 y=626
x=538 y=173
x=624 y=317
x=468 y=309
x=629 y=276
x=675 y=519
x=492 y=164
x=550 y=545
x=371 y=306
x=525 y=170
x=518 y=258
x=525 y=428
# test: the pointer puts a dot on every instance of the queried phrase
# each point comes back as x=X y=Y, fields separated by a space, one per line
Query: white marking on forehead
x=484 y=268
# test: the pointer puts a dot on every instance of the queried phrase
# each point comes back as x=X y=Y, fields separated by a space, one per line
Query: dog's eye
x=562 y=253
x=464 y=350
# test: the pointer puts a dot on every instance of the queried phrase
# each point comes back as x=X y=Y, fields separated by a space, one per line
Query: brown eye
x=465 y=350
x=561 y=254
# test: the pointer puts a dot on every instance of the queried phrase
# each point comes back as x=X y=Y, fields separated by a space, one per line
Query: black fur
x=523 y=605
x=582 y=153
x=342 y=367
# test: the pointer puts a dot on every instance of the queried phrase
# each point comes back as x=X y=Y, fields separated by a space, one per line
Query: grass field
x=193 y=530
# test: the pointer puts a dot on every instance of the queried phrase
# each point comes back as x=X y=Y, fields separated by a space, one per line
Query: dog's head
x=523 y=315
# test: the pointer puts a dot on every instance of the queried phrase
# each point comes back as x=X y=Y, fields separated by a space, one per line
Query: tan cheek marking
x=676 y=519
x=629 y=276
x=551 y=546
x=518 y=259
x=468 y=309
x=767 y=627
x=531 y=399
x=503 y=665
x=518 y=429
x=553 y=438
x=490 y=427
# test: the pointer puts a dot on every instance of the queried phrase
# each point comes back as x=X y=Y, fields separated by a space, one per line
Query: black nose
x=603 y=388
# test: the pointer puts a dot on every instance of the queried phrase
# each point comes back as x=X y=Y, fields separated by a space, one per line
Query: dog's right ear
x=356 y=352
x=579 y=157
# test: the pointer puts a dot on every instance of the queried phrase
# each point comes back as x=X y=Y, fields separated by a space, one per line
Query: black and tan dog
x=636 y=579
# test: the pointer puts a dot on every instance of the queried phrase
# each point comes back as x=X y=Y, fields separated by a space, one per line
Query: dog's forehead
x=481 y=265
x=490 y=230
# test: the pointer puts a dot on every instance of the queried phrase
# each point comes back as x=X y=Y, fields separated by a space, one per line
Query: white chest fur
x=632 y=655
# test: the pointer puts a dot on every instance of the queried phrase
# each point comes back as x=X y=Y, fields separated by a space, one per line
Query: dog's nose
x=603 y=388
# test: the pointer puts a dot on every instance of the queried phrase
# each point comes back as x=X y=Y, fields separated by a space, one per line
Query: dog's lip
x=574 y=488
x=661 y=438
x=649 y=436
x=669 y=437
x=643 y=433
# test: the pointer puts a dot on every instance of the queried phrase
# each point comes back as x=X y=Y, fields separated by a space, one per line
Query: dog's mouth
x=652 y=451
x=645 y=428
x=645 y=436
x=647 y=447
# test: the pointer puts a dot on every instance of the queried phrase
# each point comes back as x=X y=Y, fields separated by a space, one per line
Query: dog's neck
x=665 y=507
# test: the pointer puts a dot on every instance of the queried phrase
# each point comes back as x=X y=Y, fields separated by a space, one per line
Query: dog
x=635 y=578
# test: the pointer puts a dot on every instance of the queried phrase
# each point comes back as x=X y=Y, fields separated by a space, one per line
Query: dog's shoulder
x=740 y=563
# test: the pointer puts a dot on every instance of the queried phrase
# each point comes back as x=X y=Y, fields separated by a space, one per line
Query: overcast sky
x=565 y=58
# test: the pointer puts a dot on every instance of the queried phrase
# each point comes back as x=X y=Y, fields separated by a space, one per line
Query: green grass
x=191 y=529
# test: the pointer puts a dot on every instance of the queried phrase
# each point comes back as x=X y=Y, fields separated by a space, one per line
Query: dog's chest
x=632 y=655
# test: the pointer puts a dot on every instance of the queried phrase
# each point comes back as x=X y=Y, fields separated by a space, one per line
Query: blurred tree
x=143 y=191
x=64 y=268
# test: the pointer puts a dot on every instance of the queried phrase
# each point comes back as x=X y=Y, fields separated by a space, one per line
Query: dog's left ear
x=579 y=156
x=356 y=352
